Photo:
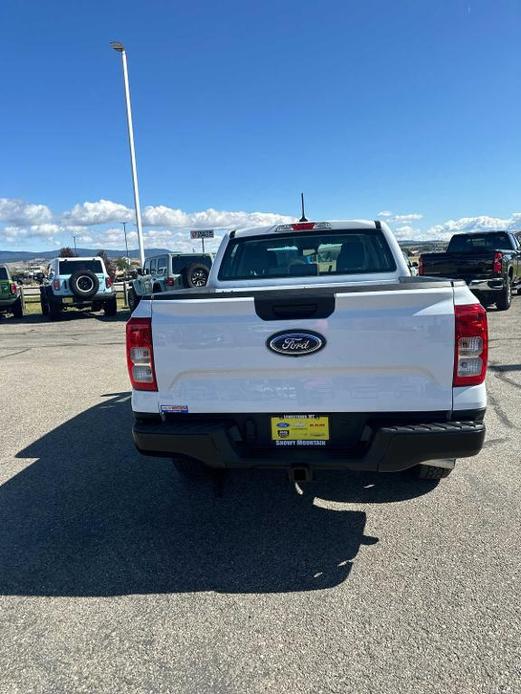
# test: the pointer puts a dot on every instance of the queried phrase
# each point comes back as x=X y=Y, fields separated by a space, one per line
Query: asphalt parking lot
x=115 y=575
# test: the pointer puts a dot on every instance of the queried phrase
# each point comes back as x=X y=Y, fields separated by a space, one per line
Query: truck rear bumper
x=494 y=284
x=392 y=448
x=74 y=300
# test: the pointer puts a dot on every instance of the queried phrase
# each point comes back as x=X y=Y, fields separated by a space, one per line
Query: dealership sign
x=202 y=234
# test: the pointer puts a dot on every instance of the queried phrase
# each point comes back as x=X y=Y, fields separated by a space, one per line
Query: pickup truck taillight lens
x=420 y=266
x=12 y=288
x=56 y=284
x=108 y=282
x=170 y=281
x=140 y=354
x=498 y=263
x=471 y=349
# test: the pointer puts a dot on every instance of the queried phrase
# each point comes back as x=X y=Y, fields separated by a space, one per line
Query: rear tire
x=133 y=300
x=429 y=472
x=43 y=305
x=18 y=308
x=110 y=308
x=195 y=276
x=505 y=300
x=54 y=310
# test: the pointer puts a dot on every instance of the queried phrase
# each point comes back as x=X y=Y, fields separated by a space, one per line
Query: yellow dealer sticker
x=300 y=430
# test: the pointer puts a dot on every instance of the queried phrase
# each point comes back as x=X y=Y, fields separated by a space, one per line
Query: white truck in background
x=311 y=347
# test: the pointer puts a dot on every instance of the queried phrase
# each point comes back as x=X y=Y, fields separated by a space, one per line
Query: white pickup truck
x=311 y=347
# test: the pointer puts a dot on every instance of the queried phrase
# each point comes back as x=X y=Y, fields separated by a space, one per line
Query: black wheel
x=429 y=472
x=18 y=308
x=190 y=469
x=133 y=299
x=43 y=305
x=110 y=308
x=504 y=301
x=196 y=275
x=54 y=311
x=84 y=284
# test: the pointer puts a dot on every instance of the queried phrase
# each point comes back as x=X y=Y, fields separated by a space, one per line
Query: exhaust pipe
x=300 y=473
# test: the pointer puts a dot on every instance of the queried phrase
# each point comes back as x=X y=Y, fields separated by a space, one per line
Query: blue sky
x=410 y=107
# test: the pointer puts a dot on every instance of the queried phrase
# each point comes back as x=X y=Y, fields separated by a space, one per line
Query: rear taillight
x=170 y=281
x=140 y=354
x=420 y=266
x=56 y=284
x=108 y=282
x=498 y=262
x=471 y=348
x=12 y=288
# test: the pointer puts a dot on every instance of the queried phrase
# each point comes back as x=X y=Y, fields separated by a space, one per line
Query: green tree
x=111 y=268
x=122 y=264
x=67 y=252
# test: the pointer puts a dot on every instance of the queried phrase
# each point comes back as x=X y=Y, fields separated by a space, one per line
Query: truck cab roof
x=306 y=226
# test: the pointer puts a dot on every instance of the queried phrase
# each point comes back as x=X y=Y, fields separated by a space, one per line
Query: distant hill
x=20 y=256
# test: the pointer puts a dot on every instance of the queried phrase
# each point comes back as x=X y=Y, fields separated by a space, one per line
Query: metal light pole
x=74 y=240
x=125 y=232
x=120 y=48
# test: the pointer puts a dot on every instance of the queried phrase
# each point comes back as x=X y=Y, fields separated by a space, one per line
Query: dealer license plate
x=300 y=430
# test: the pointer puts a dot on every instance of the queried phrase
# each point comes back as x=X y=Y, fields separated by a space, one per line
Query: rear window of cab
x=305 y=254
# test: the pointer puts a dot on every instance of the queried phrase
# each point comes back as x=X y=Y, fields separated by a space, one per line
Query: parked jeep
x=10 y=294
x=77 y=282
x=162 y=273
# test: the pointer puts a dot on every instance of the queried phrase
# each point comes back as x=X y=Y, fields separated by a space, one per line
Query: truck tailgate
x=465 y=266
x=389 y=350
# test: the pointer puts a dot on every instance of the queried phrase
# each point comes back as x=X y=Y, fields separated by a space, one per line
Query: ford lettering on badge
x=296 y=343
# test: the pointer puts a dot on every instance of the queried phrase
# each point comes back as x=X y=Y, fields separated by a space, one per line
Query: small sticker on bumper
x=174 y=409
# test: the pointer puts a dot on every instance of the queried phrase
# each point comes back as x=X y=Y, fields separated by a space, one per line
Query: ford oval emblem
x=296 y=343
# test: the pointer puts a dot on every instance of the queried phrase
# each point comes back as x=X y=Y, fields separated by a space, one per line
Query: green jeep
x=10 y=294
x=162 y=273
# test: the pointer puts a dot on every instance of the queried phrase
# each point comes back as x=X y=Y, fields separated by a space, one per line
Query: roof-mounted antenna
x=303 y=218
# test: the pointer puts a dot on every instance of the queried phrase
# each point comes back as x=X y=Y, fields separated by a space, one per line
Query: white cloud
x=405 y=232
x=100 y=212
x=169 y=217
x=480 y=223
x=19 y=213
x=180 y=241
x=107 y=212
x=400 y=218
x=97 y=224
x=413 y=217
x=14 y=232
x=446 y=229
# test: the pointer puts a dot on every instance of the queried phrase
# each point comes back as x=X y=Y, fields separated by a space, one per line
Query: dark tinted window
x=3 y=273
x=180 y=262
x=68 y=267
x=162 y=264
x=479 y=242
x=305 y=254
